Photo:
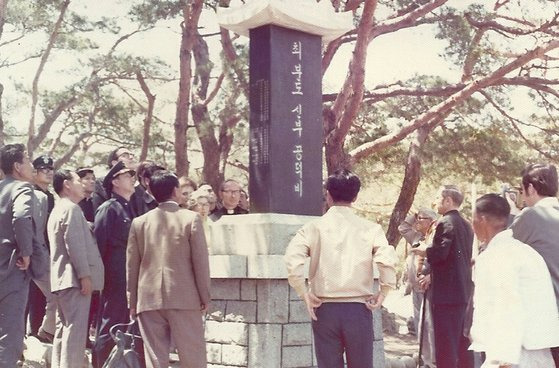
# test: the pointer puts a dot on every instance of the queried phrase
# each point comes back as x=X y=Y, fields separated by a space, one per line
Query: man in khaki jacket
x=76 y=270
x=168 y=278
x=343 y=249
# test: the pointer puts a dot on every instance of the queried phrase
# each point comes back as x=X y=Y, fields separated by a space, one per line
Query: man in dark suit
x=143 y=201
x=450 y=258
x=538 y=224
x=112 y=225
x=120 y=154
x=41 y=307
x=230 y=194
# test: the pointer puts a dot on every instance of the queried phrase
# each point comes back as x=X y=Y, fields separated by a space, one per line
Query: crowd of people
x=75 y=262
x=499 y=307
x=133 y=246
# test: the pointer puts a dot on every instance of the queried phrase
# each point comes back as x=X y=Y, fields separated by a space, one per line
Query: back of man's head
x=543 y=178
x=162 y=185
x=454 y=193
x=494 y=207
x=9 y=155
x=343 y=186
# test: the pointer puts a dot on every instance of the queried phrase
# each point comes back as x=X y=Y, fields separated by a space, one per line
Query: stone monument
x=286 y=99
x=256 y=319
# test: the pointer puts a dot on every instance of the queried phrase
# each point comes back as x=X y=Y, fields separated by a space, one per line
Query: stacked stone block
x=256 y=320
x=257 y=323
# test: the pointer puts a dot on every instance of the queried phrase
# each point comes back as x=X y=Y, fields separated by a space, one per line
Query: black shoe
x=45 y=337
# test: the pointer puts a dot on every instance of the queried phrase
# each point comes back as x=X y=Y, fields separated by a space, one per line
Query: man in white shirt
x=515 y=319
x=339 y=296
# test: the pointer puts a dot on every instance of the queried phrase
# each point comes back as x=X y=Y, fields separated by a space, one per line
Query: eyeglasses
x=126 y=155
x=45 y=170
x=422 y=218
x=235 y=192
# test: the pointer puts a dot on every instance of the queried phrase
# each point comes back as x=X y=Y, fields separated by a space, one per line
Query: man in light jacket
x=343 y=249
x=168 y=277
x=76 y=270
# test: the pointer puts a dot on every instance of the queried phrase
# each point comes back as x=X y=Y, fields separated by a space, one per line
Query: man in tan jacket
x=76 y=270
x=343 y=249
x=168 y=278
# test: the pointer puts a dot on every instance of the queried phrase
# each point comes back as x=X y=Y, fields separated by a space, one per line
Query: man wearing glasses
x=120 y=154
x=538 y=224
x=230 y=195
x=41 y=304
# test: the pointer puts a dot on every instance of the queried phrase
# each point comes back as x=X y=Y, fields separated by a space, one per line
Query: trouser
x=14 y=290
x=417 y=300
x=113 y=310
x=71 y=328
x=343 y=328
x=555 y=354
x=35 y=311
x=428 y=346
x=451 y=346
x=42 y=315
x=186 y=329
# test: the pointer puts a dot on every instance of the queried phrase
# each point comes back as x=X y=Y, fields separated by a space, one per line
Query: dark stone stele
x=285 y=122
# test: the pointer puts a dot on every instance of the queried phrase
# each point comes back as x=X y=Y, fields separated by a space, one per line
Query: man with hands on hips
x=339 y=296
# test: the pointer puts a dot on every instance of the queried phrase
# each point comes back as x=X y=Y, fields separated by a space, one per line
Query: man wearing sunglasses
x=41 y=305
x=119 y=154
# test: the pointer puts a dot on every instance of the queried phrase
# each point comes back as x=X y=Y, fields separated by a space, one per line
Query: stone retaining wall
x=257 y=323
x=256 y=320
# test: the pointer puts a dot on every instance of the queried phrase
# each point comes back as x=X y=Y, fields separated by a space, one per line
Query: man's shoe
x=45 y=337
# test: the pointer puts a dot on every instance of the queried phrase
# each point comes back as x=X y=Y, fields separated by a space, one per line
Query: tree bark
x=412 y=178
x=3 y=7
x=204 y=126
x=346 y=106
x=72 y=150
x=149 y=115
x=32 y=143
x=2 y=138
x=191 y=15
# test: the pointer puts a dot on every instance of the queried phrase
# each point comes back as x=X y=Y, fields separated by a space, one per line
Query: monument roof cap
x=301 y=15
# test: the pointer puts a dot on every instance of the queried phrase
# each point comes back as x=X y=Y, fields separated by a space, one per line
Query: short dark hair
x=162 y=184
x=146 y=169
x=58 y=179
x=343 y=185
x=454 y=193
x=493 y=205
x=9 y=155
x=113 y=157
x=152 y=169
x=543 y=178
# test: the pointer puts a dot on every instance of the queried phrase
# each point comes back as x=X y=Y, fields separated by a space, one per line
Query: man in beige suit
x=76 y=270
x=168 y=278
